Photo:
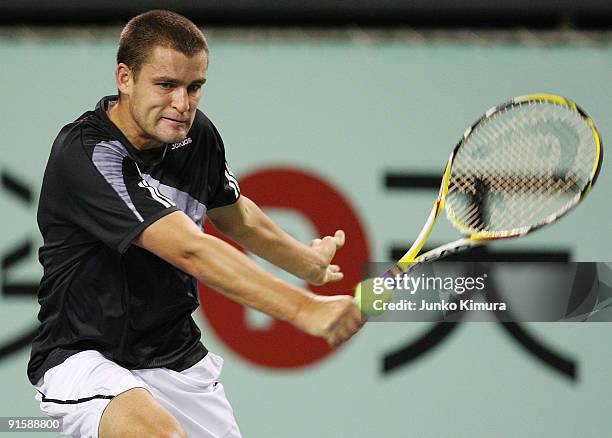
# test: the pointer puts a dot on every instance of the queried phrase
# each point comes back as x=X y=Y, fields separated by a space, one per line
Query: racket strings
x=520 y=167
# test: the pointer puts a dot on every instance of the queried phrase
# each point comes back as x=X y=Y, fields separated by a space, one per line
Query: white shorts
x=79 y=389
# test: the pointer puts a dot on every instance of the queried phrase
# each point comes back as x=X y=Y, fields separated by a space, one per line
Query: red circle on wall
x=281 y=345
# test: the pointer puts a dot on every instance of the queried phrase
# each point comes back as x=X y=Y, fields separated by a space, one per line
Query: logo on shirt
x=180 y=144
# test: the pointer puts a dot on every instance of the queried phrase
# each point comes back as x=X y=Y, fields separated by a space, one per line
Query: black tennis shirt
x=98 y=291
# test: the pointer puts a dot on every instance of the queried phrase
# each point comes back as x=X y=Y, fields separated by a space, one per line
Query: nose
x=180 y=100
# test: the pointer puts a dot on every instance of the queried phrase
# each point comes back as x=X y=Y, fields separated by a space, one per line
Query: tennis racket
x=521 y=166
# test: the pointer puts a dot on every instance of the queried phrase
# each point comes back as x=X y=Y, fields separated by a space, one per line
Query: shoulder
x=89 y=129
x=78 y=142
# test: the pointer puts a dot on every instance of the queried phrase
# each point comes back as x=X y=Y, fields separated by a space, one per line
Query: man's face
x=164 y=95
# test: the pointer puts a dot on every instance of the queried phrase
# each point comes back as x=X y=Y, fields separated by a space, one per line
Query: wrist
x=301 y=317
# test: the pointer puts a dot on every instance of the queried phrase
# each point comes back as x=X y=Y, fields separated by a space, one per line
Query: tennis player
x=124 y=197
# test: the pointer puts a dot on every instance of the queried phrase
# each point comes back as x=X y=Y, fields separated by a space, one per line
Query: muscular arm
x=246 y=224
x=176 y=239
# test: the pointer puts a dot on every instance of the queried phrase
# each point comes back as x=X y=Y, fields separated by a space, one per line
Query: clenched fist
x=334 y=318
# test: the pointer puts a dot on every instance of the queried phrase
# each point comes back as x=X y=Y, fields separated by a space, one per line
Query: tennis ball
x=371 y=295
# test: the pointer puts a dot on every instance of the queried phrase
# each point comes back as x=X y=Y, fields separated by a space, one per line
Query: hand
x=326 y=249
x=334 y=318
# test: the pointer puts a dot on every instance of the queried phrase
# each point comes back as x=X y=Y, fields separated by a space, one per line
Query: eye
x=194 y=88
x=166 y=85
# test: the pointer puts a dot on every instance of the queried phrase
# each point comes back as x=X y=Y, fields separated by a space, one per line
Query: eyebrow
x=176 y=81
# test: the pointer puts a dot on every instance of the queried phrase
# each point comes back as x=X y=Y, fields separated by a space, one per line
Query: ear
x=124 y=78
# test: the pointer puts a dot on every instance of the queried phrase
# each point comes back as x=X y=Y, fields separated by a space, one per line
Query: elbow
x=204 y=257
x=189 y=256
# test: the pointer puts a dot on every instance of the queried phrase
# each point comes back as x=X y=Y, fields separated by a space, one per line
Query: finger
x=358 y=318
x=334 y=276
x=315 y=242
x=359 y=315
x=353 y=326
x=336 y=334
x=346 y=333
x=328 y=246
x=336 y=340
x=350 y=326
x=333 y=340
x=334 y=268
x=340 y=238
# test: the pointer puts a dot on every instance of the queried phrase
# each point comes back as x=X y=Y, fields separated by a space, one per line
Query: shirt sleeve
x=107 y=195
x=228 y=189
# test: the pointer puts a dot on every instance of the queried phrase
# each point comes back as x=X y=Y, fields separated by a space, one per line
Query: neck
x=120 y=115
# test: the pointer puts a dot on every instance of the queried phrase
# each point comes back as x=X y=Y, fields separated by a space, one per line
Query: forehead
x=169 y=62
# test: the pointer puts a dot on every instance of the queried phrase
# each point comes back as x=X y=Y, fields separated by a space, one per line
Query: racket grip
x=395 y=270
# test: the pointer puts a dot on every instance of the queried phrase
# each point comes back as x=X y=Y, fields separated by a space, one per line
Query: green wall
x=348 y=111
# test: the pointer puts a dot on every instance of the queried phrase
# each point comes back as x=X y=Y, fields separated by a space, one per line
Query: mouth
x=175 y=121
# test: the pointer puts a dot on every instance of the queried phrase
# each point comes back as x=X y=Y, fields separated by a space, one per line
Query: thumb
x=340 y=238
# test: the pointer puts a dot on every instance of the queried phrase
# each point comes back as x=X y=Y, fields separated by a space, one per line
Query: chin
x=172 y=138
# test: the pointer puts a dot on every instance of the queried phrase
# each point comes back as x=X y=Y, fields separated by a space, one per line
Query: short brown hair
x=158 y=28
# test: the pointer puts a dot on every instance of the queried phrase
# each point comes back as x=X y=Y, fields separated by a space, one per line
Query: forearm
x=260 y=235
x=218 y=264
